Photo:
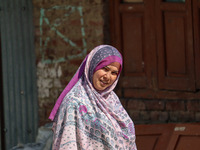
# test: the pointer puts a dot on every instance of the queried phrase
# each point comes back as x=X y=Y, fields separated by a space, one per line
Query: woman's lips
x=104 y=83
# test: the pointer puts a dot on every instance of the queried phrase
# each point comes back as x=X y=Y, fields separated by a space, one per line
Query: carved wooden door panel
x=174 y=34
x=155 y=136
x=134 y=35
x=185 y=137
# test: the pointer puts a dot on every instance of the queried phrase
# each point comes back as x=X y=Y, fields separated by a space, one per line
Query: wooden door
x=156 y=38
x=185 y=137
x=174 y=32
x=155 y=137
x=196 y=23
x=133 y=34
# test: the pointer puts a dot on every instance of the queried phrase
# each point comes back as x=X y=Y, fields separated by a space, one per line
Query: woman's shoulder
x=113 y=95
x=77 y=96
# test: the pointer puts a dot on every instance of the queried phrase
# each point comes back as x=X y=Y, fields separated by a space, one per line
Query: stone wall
x=65 y=31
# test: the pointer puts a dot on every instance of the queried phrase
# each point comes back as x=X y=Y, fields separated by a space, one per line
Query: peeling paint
x=59 y=72
x=48 y=78
x=49 y=72
x=57 y=83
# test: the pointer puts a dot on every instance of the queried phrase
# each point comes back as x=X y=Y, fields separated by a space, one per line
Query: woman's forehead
x=115 y=64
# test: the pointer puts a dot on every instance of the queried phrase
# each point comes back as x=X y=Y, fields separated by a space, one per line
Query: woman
x=88 y=114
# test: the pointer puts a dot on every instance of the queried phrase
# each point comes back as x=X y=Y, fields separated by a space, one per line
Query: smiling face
x=105 y=76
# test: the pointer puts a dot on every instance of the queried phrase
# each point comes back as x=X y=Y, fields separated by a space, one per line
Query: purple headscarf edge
x=68 y=88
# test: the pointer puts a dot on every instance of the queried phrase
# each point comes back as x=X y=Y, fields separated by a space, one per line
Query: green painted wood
x=19 y=72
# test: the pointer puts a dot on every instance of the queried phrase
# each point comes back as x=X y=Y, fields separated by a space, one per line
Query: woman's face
x=105 y=76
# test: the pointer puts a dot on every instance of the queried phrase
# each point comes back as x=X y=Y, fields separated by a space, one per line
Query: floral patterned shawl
x=85 y=119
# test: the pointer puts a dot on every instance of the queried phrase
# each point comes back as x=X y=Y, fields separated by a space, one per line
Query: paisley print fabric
x=89 y=120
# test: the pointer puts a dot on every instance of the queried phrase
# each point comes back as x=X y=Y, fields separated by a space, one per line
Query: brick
x=197 y=117
x=56 y=83
x=139 y=117
x=182 y=116
x=96 y=23
x=54 y=93
x=41 y=113
x=175 y=105
x=48 y=104
x=193 y=105
x=159 y=116
x=154 y=105
x=48 y=111
x=43 y=93
x=145 y=115
x=136 y=105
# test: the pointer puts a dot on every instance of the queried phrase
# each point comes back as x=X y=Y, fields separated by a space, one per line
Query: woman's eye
x=115 y=73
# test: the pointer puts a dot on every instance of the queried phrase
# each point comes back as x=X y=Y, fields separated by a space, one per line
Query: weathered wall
x=64 y=32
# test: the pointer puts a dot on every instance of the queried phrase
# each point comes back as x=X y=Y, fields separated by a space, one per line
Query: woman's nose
x=106 y=76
